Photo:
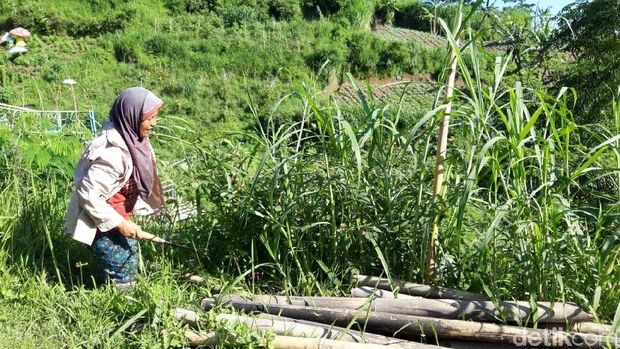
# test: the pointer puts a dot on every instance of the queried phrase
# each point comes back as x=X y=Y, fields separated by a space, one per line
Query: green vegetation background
x=307 y=188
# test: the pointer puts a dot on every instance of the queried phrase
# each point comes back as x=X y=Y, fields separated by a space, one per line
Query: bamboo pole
x=478 y=345
x=413 y=289
x=202 y=339
x=591 y=327
x=422 y=328
x=367 y=292
x=441 y=157
x=211 y=339
x=283 y=326
x=289 y=342
x=371 y=337
x=187 y=316
x=519 y=312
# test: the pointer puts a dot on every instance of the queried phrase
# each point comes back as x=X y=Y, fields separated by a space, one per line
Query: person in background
x=115 y=177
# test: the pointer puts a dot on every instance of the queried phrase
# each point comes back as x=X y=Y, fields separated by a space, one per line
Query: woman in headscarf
x=115 y=177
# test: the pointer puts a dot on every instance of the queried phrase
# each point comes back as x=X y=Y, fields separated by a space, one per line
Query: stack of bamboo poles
x=376 y=317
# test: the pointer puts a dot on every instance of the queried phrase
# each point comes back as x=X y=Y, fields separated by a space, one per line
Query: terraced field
x=402 y=34
x=419 y=90
x=428 y=39
x=418 y=93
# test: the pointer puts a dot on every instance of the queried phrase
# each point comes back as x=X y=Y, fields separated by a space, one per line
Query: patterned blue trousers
x=117 y=256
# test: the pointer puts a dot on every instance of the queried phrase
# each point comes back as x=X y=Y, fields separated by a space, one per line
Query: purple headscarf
x=126 y=114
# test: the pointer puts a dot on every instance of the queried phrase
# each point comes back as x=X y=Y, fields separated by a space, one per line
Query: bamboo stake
x=413 y=289
x=438 y=308
x=441 y=157
x=422 y=328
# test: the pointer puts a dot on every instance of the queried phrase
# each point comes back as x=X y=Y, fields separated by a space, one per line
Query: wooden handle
x=148 y=236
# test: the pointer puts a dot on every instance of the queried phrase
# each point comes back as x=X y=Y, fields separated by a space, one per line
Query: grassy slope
x=215 y=79
x=203 y=70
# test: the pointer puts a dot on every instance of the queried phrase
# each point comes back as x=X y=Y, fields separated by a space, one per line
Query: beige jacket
x=104 y=168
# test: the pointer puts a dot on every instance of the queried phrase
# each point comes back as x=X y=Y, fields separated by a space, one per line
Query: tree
x=523 y=31
x=589 y=35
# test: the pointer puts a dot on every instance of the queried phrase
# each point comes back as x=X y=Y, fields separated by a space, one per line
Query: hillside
x=205 y=63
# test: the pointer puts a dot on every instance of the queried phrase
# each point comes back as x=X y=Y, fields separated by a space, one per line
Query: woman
x=114 y=177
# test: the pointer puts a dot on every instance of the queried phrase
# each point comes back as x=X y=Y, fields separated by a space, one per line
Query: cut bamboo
x=196 y=279
x=187 y=316
x=367 y=291
x=371 y=337
x=424 y=328
x=202 y=339
x=439 y=308
x=413 y=289
x=280 y=327
x=591 y=327
x=290 y=327
x=478 y=345
x=211 y=339
x=287 y=342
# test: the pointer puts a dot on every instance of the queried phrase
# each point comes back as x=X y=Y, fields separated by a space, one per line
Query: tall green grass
x=529 y=211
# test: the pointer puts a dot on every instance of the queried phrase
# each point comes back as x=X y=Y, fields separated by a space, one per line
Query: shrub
x=330 y=44
x=47 y=21
x=33 y=59
x=411 y=14
x=239 y=12
x=324 y=51
x=175 y=6
x=185 y=86
x=53 y=73
x=196 y=6
x=394 y=58
x=358 y=12
x=318 y=8
x=115 y=21
x=190 y=6
x=126 y=50
x=284 y=9
x=7 y=95
x=364 y=54
x=35 y=19
x=103 y=5
x=385 y=11
x=166 y=45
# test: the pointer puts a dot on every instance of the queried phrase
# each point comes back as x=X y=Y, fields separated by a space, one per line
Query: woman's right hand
x=129 y=229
